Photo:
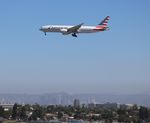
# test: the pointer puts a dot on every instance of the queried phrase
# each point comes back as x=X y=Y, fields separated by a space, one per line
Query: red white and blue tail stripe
x=102 y=25
x=105 y=21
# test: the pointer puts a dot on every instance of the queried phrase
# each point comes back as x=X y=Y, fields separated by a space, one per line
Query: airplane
x=74 y=30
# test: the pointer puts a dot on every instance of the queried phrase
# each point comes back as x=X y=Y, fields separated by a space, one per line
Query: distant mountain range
x=67 y=99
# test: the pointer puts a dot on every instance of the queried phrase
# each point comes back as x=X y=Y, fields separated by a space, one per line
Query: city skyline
x=68 y=99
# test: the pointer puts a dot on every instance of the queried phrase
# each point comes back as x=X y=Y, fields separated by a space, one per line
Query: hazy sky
x=115 y=61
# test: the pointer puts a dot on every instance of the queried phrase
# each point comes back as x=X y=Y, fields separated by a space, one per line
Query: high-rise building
x=76 y=103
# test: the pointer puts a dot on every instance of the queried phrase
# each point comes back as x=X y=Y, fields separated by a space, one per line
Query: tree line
x=45 y=113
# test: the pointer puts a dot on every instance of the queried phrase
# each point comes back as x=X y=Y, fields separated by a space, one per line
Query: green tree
x=107 y=115
x=14 y=111
x=1 y=111
x=38 y=112
x=143 y=113
x=60 y=115
x=23 y=114
x=122 y=115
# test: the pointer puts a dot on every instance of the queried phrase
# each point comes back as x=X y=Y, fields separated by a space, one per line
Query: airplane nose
x=41 y=29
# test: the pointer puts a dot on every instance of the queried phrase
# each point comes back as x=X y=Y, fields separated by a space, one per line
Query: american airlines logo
x=51 y=28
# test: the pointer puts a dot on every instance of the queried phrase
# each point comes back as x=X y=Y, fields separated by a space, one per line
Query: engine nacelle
x=64 y=31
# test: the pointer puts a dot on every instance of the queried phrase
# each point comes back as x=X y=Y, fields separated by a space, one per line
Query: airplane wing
x=74 y=29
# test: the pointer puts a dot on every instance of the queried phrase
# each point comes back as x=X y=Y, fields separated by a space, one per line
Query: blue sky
x=115 y=61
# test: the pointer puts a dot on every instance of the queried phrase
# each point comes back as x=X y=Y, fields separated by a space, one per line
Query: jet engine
x=64 y=31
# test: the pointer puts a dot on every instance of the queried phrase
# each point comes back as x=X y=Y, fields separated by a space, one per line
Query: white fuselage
x=63 y=29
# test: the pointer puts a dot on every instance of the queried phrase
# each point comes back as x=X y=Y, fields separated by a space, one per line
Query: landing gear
x=74 y=35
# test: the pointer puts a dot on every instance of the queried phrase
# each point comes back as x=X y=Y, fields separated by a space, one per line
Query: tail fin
x=105 y=21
